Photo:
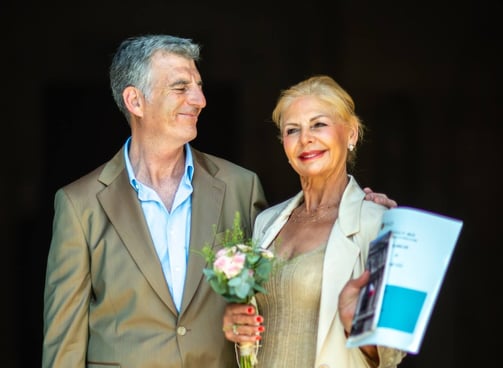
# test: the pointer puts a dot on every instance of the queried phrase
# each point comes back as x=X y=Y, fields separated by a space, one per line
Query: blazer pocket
x=102 y=365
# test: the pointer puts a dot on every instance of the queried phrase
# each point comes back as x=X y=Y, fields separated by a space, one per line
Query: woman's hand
x=348 y=300
x=241 y=324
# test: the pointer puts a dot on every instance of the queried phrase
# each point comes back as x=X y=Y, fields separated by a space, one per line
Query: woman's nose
x=306 y=135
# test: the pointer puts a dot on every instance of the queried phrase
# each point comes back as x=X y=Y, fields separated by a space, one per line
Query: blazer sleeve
x=258 y=199
x=67 y=290
x=389 y=357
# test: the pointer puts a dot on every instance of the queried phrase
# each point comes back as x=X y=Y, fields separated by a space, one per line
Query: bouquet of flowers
x=237 y=271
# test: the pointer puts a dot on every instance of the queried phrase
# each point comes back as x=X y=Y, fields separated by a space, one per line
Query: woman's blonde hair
x=328 y=90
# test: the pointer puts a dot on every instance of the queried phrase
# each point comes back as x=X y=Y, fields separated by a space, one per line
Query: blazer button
x=181 y=331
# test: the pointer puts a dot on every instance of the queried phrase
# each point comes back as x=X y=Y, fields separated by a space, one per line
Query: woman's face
x=315 y=138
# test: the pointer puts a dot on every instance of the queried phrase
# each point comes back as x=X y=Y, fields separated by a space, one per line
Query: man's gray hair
x=131 y=64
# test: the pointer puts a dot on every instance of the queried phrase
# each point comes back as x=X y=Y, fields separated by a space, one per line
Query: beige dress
x=290 y=309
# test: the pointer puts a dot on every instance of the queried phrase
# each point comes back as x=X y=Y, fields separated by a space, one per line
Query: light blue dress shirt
x=170 y=231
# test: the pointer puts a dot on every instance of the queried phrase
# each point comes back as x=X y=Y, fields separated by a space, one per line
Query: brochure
x=407 y=262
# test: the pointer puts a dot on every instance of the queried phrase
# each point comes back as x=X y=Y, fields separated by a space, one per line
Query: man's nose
x=197 y=98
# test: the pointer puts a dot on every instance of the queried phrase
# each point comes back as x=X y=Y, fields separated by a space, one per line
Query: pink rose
x=230 y=264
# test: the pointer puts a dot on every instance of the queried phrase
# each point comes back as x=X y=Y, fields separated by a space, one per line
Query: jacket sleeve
x=67 y=290
x=259 y=201
x=389 y=357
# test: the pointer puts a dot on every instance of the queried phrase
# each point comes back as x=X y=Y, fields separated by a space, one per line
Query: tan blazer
x=347 y=249
x=106 y=302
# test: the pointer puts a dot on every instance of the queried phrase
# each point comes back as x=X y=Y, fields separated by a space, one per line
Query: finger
x=392 y=203
x=385 y=201
x=235 y=330
x=231 y=332
x=237 y=310
x=243 y=329
x=381 y=198
x=363 y=278
x=227 y=328
x=244 y=320
x=242 y=333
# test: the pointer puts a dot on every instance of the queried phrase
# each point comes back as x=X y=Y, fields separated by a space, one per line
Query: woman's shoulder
x=275 y=215
x=270 y=213
x=278 y=208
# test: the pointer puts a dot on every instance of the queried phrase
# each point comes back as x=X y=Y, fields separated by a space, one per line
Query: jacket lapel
x=340 y=256
x=207 y=200
x=275 y=221
x=120 y=203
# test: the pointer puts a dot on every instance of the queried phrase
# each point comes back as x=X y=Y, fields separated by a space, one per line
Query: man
x=124 y=284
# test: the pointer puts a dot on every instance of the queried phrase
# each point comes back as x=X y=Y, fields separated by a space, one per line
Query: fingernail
x=259 y=319
x=261 y=328
x=250 y=310
x=257 y=338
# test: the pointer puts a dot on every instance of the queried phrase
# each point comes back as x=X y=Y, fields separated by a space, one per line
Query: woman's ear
x=133 y=99
x=353 y=132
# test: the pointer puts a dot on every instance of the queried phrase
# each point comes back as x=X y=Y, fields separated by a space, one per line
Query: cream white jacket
x=347 y=249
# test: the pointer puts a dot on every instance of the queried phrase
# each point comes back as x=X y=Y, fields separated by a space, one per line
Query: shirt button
x=181 y=330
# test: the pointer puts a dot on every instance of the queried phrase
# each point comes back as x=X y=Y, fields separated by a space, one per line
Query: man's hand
x=379 y=198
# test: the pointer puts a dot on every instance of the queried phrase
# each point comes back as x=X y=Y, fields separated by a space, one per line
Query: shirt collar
x=188 y=172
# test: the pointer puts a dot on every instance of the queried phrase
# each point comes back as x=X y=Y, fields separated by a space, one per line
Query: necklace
x=316 y=215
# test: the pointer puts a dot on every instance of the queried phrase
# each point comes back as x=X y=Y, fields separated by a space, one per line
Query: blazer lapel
x=340 y=256
x=275 y=222
x=207 y=200
x=120 y=203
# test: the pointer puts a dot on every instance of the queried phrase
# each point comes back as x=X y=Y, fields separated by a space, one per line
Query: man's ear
x=133 y=99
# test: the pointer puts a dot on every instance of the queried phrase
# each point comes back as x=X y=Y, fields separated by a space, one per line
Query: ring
x=227 y=328
x=235 y=329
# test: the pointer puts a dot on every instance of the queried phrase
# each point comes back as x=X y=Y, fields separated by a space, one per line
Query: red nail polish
x=261 y=328
x=257 y=338
x=259 y=319
x=250 y=310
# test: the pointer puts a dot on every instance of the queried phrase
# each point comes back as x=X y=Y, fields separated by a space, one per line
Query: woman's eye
x=291 y=131
x=319 y=124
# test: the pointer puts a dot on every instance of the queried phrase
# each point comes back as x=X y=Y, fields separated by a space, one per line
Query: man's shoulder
x=100 y=176
x=87 y=177
x=213 y=163
x=85 y=184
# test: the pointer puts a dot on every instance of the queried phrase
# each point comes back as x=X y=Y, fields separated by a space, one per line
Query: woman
x=321 y=235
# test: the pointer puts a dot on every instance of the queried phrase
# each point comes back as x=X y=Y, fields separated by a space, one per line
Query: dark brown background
x=426 y=78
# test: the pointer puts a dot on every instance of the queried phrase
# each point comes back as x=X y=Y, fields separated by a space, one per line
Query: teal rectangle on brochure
x=401 y=308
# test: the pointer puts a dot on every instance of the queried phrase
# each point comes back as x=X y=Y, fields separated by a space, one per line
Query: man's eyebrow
x=184 y=82
x=179 y=82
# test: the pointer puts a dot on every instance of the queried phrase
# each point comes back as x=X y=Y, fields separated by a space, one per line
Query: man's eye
x=291 y=131
x=180 y=89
